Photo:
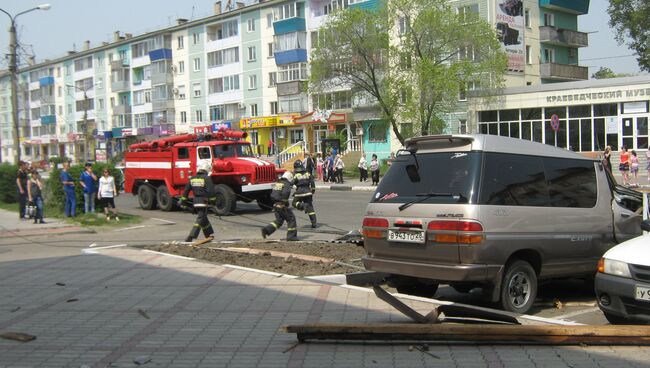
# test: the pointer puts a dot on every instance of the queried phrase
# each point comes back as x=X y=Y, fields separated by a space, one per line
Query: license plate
x=642 y=293
x=406 y=236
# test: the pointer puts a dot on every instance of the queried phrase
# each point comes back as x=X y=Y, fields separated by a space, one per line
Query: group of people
x=628 y=166
x=363 y=169
x=30 y=192
x=330 y=168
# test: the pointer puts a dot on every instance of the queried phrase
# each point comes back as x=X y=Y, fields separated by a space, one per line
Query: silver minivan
x=493 y=212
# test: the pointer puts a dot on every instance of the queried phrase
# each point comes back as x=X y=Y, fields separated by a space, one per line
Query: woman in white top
x=107 y=193
x=363 y=168
x=338 y=166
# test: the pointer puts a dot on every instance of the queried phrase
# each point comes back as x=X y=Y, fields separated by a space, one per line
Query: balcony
x=162 y=105
x=290 y=56
x=47 y=99
x=119 y=64
x=578 y=7
x=120 y=86
x=565 y=72
x=23 y=123
x=161 y=78
x=563 y=37
x=290 y=88
x=289 y=25
x=121 y=109
x=46 y=81
x=160 y=54
x=48 y=119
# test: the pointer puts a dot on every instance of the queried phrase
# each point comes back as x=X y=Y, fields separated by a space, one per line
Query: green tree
x=411 y=58
x=630 y=20
x=606 y=73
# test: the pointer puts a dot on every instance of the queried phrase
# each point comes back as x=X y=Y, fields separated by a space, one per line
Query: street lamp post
x=13 y=70
x=85 y=118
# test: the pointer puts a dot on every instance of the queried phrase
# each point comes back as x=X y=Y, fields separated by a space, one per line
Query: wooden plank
x=382 y=294
x=478 y=334
x=465 y=311
x=275 y=253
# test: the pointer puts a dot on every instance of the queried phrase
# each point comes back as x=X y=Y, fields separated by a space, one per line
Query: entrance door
x=320 y=133
x=634 y=132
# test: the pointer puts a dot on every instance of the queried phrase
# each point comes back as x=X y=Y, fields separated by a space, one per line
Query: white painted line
x=335 y=279
x=111 y=246
x=358 y=288
x=253 y=270
x=130 y=228
x=169 y=255
x=163 y=220
x=577 y=313
x=92 y=245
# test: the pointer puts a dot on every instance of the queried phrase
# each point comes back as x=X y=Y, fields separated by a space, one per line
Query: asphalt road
x=338 y=212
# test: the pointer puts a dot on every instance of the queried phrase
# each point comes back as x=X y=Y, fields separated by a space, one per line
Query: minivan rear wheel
x=519 y=287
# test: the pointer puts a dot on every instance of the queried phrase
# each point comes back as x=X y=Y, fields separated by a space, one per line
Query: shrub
x=54 y=195
x=8 y=188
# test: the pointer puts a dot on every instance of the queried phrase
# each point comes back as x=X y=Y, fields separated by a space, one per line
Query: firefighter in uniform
x=305 y=188
x=280 y=195
x=203 y=188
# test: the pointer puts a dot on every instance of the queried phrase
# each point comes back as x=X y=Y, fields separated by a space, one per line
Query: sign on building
x=510 y=32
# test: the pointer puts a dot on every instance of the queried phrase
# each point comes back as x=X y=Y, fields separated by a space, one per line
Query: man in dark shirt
x=68 y=189
x=280 y=194
x=21 y=183
x=87 y=181
x=204 y=193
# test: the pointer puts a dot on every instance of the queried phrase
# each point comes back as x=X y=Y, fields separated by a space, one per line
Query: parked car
x=623 y=280
x=493 y=212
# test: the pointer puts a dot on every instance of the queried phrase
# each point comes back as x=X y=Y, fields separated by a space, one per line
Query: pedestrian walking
x=634 y=169
x=35 y=194
x=270 y=146
x=607 y=160
x=329 y=168
x=305 y=189
x=87 y=181
x=309 y=164
x=106 y=194
x=203 y=188
x=280 y=195
x=21 y=185
x=319 y=166
x=363 y=168
x=624 y=166
x=374 y=169
x=70 y=205
x=338 y=167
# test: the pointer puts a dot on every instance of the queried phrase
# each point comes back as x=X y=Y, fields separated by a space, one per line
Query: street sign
x=555 y=122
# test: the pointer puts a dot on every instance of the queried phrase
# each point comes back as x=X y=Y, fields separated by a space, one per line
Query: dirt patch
x=346 y=253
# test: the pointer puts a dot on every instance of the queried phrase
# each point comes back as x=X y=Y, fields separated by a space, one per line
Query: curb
x=46 y=231
x=346 y=188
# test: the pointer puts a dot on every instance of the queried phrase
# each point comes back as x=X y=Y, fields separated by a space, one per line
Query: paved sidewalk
x=349 y=183
x=120 y=304
x=12 y=226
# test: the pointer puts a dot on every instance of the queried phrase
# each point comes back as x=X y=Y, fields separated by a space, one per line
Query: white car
x=623 y=280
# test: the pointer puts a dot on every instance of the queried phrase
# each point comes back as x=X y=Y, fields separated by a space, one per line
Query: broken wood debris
x=143 y=313
x=17 y=336
x=274 y=253
x=476 y=334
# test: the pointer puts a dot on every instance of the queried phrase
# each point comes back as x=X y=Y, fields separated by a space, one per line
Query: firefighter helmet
x=287 y=175
x=298 y=166
x=205 y=166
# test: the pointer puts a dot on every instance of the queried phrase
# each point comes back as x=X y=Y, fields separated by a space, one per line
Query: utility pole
x=13 y=70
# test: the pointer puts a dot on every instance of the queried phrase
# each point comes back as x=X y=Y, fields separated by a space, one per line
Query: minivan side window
x=513 y=180
x=571 y=183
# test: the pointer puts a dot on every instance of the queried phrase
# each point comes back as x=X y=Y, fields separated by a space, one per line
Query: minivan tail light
x=374 y=222
x=454 y=231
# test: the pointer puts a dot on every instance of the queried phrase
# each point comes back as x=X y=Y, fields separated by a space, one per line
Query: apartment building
x=247 y=67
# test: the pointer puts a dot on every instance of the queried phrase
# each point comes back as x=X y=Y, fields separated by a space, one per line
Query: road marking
x=95 y=250
x=93 y=245
x=253 y=270
x=130 y=228
x=169 y=255
x=163 y=220
x=577 y=313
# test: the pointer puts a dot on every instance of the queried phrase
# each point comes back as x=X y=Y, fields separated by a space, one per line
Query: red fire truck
x=157 y=171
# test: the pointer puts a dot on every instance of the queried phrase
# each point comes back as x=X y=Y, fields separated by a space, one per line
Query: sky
x=49 y=34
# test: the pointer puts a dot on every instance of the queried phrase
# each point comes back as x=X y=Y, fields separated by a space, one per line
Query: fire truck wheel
x=265 y=203
x=147 y=197
x=226 y=200
x=165 y=201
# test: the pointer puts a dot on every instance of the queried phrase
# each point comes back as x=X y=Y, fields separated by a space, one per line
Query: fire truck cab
x=158 y=171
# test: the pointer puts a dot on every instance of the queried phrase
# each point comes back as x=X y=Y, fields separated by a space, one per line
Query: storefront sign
x=226 y=124
x=596 y=96
x=612 y=126
x=203 y=129
x=287 y=119
x=128 y=131
x=100 y=155
x=258 y=122
x=510 y=32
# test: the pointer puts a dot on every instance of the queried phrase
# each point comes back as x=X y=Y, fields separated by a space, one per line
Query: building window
x=101 y=103
x=273 y=76
x=59 y=91
x=549 y=55
x=196 y=88
x=462 y=126
x=195 y=38
x=181 y=92
x=181 y=67
x=180 y=41
x=270 y=49
x=199 y=116
x=251 y=24
x=527 y=17
x=253 y=109
x=222 y=30
x=292 y=72
x=252 y=81
x=274 y=108
x=223 y=84
x=251 y=53
x=183 y=117
x=549 y=20
x=403 y=23
x=197 y=64
x=223 y=57
x=269 y=20
x=529 y=55
x=377 y=132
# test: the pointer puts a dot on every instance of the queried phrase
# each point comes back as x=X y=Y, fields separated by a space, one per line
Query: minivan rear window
x=452 y=175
